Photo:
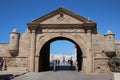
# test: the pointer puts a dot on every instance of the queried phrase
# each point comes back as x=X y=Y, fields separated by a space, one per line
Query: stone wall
x=117 y=48
x=99 y=56
x=101 y=65
x=4 y=50
x=24 y=44
x=20 y=62
x=17 y=62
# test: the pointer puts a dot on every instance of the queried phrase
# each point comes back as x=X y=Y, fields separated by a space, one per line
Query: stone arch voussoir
x=45 y=39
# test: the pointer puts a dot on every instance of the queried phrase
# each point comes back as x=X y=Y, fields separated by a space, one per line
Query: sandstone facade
x=31 y=49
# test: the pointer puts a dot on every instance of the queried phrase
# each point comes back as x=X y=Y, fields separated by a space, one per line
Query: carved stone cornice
x=54 y=27
x=89 y=25
x=61 y=26
x=33 y=26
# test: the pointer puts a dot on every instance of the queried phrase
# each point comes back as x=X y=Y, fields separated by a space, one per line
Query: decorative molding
x=100 y=58
x=63 y=30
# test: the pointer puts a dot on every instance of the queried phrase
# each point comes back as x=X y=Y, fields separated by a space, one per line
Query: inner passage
x=64 y=53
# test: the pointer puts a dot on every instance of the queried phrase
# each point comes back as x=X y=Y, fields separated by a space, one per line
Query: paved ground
x=64 y=72
x=12 y=72
x=62 y=75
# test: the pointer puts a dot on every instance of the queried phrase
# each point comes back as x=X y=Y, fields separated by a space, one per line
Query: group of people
x=3 y=64
x=56 y=63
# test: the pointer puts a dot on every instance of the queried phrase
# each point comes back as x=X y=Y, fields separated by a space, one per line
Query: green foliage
x=114 y=64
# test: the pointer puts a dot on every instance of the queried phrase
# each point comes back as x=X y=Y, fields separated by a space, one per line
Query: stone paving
x=63 y=75
x=12 y=72
x=64 y=72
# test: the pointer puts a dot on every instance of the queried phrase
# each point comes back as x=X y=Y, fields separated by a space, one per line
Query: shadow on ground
x=63 y=68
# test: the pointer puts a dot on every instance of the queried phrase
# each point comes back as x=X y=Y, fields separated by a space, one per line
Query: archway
x=44 y=58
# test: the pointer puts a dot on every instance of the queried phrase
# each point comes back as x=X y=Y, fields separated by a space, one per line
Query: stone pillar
x=84 y=65
x=36 y=63
x=89 y=52
x=32 y=50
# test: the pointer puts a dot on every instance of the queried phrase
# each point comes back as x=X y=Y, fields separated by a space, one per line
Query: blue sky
x=62 y=47
x=16 y=13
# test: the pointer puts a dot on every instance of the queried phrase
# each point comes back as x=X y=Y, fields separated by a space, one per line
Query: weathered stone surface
x=4 y=49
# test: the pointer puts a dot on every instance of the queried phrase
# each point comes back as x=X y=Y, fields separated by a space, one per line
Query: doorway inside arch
x=56 y=49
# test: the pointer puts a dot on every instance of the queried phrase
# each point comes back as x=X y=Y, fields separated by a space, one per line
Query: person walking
x=76 y=66
x=54 y=65
x=5 y=65
x=71 y=62
x=58 y=62
x=1 y=63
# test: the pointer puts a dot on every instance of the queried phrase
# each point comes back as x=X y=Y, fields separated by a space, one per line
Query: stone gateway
x=31 y=50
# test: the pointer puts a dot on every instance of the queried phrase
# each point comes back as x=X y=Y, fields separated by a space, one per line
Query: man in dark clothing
x=1 y=63
x=71 y=62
